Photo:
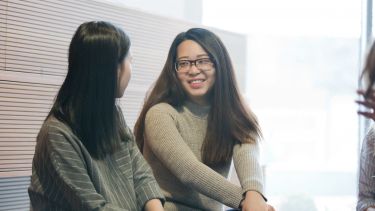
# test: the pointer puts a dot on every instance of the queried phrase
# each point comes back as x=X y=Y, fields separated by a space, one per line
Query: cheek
x=125 y=75
x=128 y=72
x=181 y=79
x=212 y=79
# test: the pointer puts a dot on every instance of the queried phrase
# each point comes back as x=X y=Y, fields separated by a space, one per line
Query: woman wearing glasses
x=194 y=122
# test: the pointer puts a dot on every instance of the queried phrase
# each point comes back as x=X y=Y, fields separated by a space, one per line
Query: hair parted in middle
x=230 y=121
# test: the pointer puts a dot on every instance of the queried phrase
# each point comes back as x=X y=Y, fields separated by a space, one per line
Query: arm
x=147 y=190
x=168 y=146
x=250 y=174
x=63 y=174
x=366 y=185
x=246 y=163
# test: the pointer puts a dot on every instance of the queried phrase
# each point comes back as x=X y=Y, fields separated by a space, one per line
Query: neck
x=197 y=109
x=202 y=101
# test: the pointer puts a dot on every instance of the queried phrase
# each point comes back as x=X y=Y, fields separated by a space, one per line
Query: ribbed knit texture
x=366 y=189
x=174 y=138
x=66 y=177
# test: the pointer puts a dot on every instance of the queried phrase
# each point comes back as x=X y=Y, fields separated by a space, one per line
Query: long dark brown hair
x=369 y=70
x=86 y=100
x=229 y=120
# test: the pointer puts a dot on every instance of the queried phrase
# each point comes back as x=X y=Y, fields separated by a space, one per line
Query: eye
x=204 y=61
x=183 y=63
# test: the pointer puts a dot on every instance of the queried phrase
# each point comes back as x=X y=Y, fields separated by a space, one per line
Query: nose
x=193 y=69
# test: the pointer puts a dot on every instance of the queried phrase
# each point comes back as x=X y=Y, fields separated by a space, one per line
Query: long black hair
x=230 y=121
x=86 y=100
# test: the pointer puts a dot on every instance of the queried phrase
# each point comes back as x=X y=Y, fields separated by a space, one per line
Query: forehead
x=190 y=49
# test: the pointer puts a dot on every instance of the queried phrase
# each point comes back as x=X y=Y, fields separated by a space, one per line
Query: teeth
x=196 y=81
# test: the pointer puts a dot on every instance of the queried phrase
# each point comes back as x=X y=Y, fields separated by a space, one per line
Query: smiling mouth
x=196 y=81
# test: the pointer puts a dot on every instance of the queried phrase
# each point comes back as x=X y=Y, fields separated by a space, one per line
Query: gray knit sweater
x=174 y=138
x=366 y=184
x=66 y=177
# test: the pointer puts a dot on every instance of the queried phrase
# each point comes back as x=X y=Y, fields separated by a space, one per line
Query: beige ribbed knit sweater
x=174 y=137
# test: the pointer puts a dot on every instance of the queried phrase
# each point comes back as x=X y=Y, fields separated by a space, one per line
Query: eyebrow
x=198 y=56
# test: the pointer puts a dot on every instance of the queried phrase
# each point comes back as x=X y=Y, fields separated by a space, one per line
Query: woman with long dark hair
x=86 y=157
x=194 y=122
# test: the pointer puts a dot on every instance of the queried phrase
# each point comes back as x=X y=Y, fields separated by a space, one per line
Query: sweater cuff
x=254 y=186
x=147 y=192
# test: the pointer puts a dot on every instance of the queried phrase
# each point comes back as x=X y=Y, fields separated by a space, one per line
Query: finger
x=363 y=93
x=270 y=208
x=367 y=114
x=366 y=103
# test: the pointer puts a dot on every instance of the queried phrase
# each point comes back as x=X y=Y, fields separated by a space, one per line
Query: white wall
x=188 y=10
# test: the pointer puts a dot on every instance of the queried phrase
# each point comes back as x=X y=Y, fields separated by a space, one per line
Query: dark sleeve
x=146 y=187
x=62 y=173
x=366 y=184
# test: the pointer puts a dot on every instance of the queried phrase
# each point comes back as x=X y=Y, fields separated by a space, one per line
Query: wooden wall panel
x=34 y=40
x=23 y=107
x=2 y=34
x=13 y=193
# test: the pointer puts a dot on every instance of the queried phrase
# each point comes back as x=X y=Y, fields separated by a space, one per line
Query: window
x=302 y=73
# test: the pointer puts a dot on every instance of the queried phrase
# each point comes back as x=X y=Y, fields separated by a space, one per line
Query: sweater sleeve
x=146 y=187
x=63 y=174
x=249 y=171
x=165 y=141
x=366 y=185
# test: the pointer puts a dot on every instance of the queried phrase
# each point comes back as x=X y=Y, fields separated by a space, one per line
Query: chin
x=198 y=94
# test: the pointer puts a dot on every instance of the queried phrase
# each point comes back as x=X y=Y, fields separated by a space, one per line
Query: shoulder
x=369 y=140
x=54 y=133
x=162 y=108
x=55 y=126
x=370 y=136
x=371 y=133
x=162 y=113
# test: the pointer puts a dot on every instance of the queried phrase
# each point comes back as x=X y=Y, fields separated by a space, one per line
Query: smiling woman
x=194 y=122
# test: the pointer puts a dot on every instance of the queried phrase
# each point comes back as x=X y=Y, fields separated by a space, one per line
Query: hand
x=154 y=205
x=271 y=208
x=368 y=102
x=254 y=202
x=370 y=209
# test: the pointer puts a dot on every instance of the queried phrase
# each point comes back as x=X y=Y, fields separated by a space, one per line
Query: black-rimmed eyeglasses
x=203 y=64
